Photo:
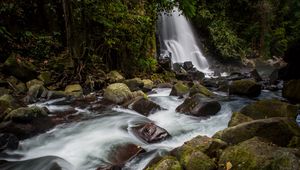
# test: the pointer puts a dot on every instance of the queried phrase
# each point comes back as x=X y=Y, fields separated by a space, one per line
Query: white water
x=87 y=144
x=178 y=38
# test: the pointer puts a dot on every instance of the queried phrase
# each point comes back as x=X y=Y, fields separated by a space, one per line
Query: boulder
x=199 y=106
x=36 y=93
x=278 y=130
x=269 y=108
x=291 y=90
x=45 y=77
x=179 y=89
x=26 y=114
x=117 y=93
x=166 y=163
x=256 y=153
x=148 y=85
x=18 y=86
x=198 y=88
x=74 y=90
x=33 y=83
x=134 y=84
x=150 y=133
x=195 y=74
x=197 y=160
x=19 y=68
x=7 y=103
x=255 y=75
x=115 y=77
x=164 y=85
x=145 y=106
x=238 y=118
x=188 y=65
x=8 y=141
x=245 y=87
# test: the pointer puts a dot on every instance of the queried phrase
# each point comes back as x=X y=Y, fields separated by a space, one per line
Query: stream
x=87 y=144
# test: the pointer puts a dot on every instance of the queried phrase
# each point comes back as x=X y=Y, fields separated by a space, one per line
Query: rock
x=150 y=133
x=277 y=130
x=74 y=90
x=164 y=85
x=238 y=118
x=115 y=77
x=294 y=142
x=199 y=106
x=18 y=86
x=188 y=65
x=291 y=90
x=256 y=153
x=179 y=89
x=177 y=67
x=236 y=76
x=26 y=114
x=8 y=141
x=23 y=130
x=198 y=88
x=41 y=163
x=7 y=103
x=120 y=154
x=269 y=108
x=34 y=82
x=166 y=163
x=148 y=85
x=255 y=75
x=35 y=93
x=145 y=106
x=19 y=68
x=165 y=63
x=134 y=84
x=56 y=95
x=45 y=77
x=196 y=75
x=197 y=160
x=117 y=93
x=139 y=93
x=245 y=87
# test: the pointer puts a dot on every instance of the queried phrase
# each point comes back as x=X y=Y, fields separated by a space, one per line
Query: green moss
x=179 y=89
x=167 y=163
x=238 y=118
x=198 y=88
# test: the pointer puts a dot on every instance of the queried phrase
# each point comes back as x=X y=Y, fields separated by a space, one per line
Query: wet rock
x=256 y=153
x=45 y=77
x=8 y=141
x=198 y=88
x=291 y=90
x=238 y=118
x=42 y=163
x=117 y=93
x=26 y=114
x=56 y=95
x=18 y=86
x=179 y=89
x=150 y=133
x=7 y=103
x=145 y=106
x=236 y=76
x=255 y=75
x=195 y=75
x=19 y=68
x=36 y=93
x=199 y=106
x=178 y=67
x=148 y=85
x=165 y=63
x=115 y=77
x=188 y=65
x=120 y=154
x=33 y=83
x=245 y=87
x=164 y=85
x=166 y=163
x=277 y=130
x=134 y=84
x=74 y=90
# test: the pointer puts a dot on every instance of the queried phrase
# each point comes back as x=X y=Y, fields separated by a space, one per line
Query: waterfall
x=177 y=38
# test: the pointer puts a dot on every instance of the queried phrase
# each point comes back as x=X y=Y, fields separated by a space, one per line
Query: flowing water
x=87 y=144
x=177 y=38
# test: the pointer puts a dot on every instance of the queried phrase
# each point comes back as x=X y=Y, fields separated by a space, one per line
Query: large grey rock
x=117 y=93
x=245 y=87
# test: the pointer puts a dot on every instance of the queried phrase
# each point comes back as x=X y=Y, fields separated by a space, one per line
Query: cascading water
x=177 y=38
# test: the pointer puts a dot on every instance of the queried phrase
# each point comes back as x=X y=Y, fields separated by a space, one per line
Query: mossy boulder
x=238 y=118
x=166 y=163
x=26 y=114
x=134 y=84
x=35 y=93
x=256 y=153
x=145 y=106
x=198 y=88
x=270 y=108
x=199 y=106
x=117 y=93
x=45 y=77
x=148 y=85
x=34 y=82
x=291 y=90
x=278 y=130
x=245 y=88
x=20 y=68
x=179 y=89
x=74 y=90
x=7 y=103
x=115 y=77
x=18 y=86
